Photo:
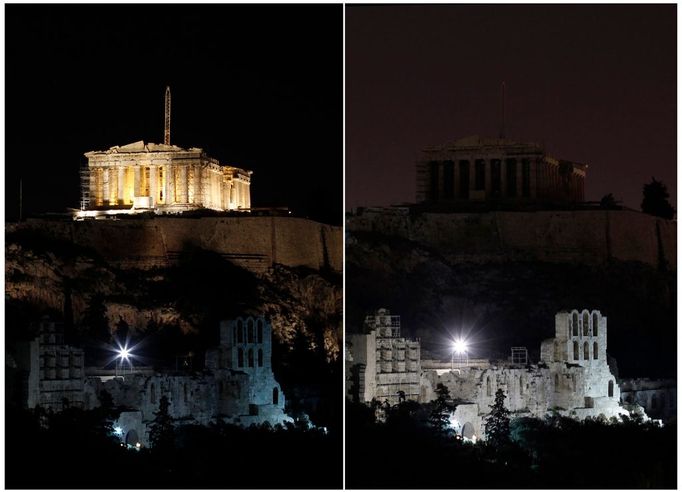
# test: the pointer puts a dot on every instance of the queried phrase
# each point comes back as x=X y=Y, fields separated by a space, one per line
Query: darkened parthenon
x=477 y=169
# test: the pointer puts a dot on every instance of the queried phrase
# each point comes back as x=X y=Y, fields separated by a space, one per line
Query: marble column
x=170 y=184
x=137 y=183
x=105 y=184
x=183 y=184
x=153 y=184
x=121 y=184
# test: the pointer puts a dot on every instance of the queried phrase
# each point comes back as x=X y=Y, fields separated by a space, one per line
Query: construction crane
x=166 y=131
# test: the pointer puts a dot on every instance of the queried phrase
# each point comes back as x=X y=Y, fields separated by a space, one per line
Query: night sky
x=596 y=84
x=258 y=87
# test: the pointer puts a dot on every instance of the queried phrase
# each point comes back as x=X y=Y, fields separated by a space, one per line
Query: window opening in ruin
x=260 y=357
x=586 y=351
x=448 y=180
x=250 y=330
x=525 y=177
x=259 y=326
x=586 y=324
x=595 y=351
x=576 y=353
x=275 y=396
x=488 y=387
x=185 y=392
x=234 y=335
x=464 y=179
x=240 y=331
x=511 y=177
x=575 y=324
x=152 y=391
x=250 y=357
x=611 y=388
x=595 y=324
x=556 y=383
x=240 y=357
x=521 y=386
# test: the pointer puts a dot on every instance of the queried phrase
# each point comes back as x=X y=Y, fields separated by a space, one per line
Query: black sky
x=259 y=87
x=595 y=83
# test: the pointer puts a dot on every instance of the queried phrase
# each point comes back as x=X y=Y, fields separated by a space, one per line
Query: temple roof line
x=140 y=146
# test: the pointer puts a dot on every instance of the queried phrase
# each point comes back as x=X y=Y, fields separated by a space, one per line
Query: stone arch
x=574 y=322
x=260 y=357
x=275 y=396
x=132 y=438
x=595 y=350
x=468 y=430
x=240 y=357
x=259 y=330
x=610 y=393
x=250 y=357
x=595 y=324
x=586 y=323
x=249 y=330
x=586 y=351
x=576 y=351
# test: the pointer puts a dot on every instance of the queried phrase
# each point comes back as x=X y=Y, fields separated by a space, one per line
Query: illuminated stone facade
x=572 y=378
x=476 y=169
x=382 y=364
x=163 y=178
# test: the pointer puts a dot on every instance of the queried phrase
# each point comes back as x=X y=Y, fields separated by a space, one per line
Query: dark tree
x=439 y=411
x=608 y=202
x=497 y=422
x=161 y=432
x=655 y=201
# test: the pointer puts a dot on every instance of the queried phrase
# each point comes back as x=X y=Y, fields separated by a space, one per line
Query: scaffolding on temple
x=85 y=187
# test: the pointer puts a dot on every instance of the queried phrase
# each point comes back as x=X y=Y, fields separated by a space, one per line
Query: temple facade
x=163 y=178
x=496 y=170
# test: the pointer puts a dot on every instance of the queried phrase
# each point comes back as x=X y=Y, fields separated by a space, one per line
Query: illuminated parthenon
x=164 y=178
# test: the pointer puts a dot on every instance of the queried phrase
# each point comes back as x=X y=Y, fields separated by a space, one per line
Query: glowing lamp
x=459 y=346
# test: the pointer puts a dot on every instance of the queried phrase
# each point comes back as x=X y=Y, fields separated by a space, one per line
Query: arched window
x=152 y=394
x=556 y=383
x=185 y=392
x=250 y=357
x=595 y=324
x=275 y=396
x=234 y=335
x=240 y=358
x=595 y=351
x=250 y=330
x=611 y=388
x=576 y=354
x=259 y=326
x=488 y=387
x=586 y=324
x=586 y=351
x=260 y=357
x=240 y=332
x=575 y=324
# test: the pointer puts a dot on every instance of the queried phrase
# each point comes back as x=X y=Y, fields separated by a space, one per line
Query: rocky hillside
x=510 y=303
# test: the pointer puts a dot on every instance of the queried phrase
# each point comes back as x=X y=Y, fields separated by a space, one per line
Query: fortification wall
x=255 y=243
x=585 y=237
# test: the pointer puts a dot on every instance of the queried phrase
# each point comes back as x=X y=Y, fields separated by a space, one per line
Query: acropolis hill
x=252 y=242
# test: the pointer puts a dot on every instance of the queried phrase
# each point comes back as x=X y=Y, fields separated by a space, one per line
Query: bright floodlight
x=124 y=352
x=460 y=346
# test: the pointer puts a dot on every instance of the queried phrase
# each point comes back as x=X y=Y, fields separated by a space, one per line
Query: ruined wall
x=255 y=243
x=585 y=237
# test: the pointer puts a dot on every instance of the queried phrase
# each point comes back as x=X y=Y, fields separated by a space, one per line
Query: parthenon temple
x=164 y=178
x=476 y=169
